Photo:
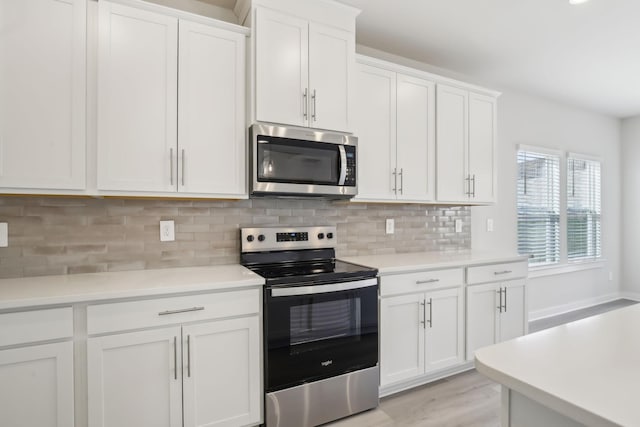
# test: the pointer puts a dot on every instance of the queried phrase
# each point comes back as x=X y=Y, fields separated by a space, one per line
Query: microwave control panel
x=350 y=179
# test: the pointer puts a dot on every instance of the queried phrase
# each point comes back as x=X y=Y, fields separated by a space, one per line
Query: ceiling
x=585 y=55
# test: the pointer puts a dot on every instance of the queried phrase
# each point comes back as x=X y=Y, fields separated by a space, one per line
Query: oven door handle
x=322 y=289
x=343 y=164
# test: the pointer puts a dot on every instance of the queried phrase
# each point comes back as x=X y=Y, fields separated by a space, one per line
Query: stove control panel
x=287 y=238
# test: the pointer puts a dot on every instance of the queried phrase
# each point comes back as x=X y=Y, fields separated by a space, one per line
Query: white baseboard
x=635 y=296
x=577 y=305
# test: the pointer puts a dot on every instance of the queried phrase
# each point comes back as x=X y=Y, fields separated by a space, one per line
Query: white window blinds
x=539 y=207
x=583 y=209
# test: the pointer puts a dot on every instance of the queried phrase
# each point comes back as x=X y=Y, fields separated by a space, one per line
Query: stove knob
x=261 y=237
x=329 y=235
x=320 y=236
x=250 y=238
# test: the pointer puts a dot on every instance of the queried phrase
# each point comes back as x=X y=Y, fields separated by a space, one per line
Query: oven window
x=297 y=162
x=326 y=320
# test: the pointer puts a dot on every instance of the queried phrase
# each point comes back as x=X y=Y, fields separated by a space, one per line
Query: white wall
x=525 y=119
x=531 y=120
x=630 y=206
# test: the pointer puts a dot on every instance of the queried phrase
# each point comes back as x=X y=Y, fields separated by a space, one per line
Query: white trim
x=576 y=305
x=565 y=268
x=579 y=156
x=635 y=296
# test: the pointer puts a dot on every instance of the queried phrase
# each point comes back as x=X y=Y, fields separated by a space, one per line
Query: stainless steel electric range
x=320 y=326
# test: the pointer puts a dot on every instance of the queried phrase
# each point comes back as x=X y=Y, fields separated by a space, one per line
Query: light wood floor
x=464 y=400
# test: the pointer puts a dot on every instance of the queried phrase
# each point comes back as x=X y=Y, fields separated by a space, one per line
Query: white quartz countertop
x=588 y=370
x=49 y=290
x=400 y=263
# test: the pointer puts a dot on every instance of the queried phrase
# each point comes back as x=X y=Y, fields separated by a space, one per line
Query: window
x=559 y=207
x=539 y=207
x=583 y=208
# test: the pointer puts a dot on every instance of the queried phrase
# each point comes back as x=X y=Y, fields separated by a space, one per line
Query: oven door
x=319 y=331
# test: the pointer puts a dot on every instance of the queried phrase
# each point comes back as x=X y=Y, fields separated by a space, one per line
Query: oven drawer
x=497 y=272
x=38 y=325
x=121 y=316
x=421 y=281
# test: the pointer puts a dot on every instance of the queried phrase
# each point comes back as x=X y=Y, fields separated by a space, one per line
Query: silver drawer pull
x=422 y=282
x=498 y=273
x=182 y=310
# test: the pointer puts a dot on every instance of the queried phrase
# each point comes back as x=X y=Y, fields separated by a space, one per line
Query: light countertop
x=69 y=289
x=402 y=263
x=586 y=370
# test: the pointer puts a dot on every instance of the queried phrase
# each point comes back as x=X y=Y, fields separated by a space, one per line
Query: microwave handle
x=343 y=164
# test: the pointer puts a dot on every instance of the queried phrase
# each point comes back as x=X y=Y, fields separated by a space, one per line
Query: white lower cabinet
x=420 y=333
x=36 y=380
x=189 y=374
x=37 y=386
x=495 y=312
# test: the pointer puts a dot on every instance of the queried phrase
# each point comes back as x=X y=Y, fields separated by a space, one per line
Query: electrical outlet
x=167 y=231
x=458 y=224
x=390 y=226
x=4 y=234
x=489 y=225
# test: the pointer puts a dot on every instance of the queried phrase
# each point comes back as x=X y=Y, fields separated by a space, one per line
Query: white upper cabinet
x=394 y=119
x=42 y=94
x=170 y=105
x=466 y=134
x=303 y=70
x=137 y=99
x=211 y=117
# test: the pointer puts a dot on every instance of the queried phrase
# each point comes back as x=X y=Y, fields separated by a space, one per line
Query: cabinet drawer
x=421 y=281
x=497 y=272
x=121 y=316
x=38 y=325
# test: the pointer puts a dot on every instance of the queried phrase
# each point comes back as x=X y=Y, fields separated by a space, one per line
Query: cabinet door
x=211 y=103
x=451 y=144
x=222 y=373
x=416 y=138
x=282 y=75
x=375 y=125
x=513 y=319
x=42 y=93
x=401 y=338
x=482 y=316
x=37 y=386
x=482 y=137
x=444 y=342
x=331 y=62
x=135 y=379
x=137 y=99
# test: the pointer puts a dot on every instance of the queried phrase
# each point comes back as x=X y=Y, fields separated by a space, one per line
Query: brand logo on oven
x=326 y=363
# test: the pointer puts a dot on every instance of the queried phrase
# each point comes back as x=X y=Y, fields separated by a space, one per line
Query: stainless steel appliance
x=320 y=326
x=288 y=161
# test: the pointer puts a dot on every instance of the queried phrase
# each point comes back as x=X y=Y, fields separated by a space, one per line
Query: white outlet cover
x=489 y=224
x=4 y=234
x=458 y=223
x=390 y=226
x=167 y=231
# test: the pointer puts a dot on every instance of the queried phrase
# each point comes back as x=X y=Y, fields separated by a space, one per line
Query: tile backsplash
x=56 y=235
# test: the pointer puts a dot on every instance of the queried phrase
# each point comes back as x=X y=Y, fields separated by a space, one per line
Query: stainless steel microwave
x=298 y=162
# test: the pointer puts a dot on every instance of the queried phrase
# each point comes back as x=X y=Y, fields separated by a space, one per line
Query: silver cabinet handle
x=500 y=304
x=505 y=299
x=189 y=356
x=305 y=104
x=423 y=322
x=430 y=312
x=468 y=185
x=175 y=358
x=422 y=282
x=395 y=180
x=171 y=166
x=183 y=167
x=182 y=310
x=499 y=273
x=473 y=192
x=401 y=180
x=313 y=114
